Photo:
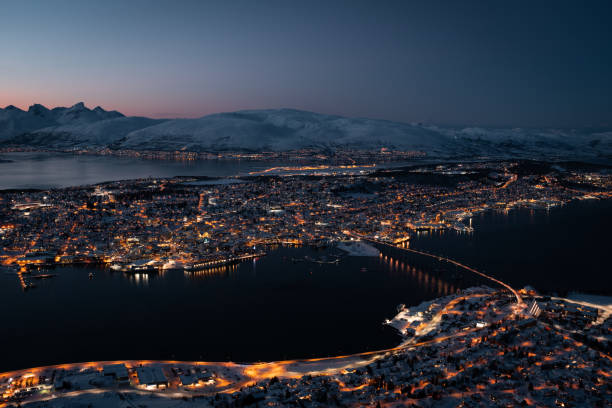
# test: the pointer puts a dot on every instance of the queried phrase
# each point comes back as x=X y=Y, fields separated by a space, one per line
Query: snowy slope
x=79 y=114
x=102 y=133
x=287 y=129
x=280 y=130
x=14 y=121
x=533 y=142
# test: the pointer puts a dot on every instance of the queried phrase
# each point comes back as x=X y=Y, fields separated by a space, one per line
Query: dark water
x=561 y=250
x=265 y=310
x=44 y=170
x=276 y=309
x=53 y=170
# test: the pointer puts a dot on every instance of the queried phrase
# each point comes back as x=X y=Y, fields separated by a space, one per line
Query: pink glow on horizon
x=151 y=110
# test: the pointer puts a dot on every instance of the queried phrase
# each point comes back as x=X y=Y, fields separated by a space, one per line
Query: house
x=151 y=377
x=117 y=371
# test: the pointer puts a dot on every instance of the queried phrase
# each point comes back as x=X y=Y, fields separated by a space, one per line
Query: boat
x=141 y=269
x=44 y=276
x=213 y=263
x=91 y=275
x=141 y=266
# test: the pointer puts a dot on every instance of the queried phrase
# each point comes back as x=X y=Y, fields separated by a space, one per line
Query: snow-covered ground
x=602 y=301
x=357 y=248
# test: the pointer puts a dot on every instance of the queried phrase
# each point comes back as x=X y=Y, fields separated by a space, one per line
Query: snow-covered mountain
x=15 y=122
x=285 y=129
x=281 y=130
x=103 y=133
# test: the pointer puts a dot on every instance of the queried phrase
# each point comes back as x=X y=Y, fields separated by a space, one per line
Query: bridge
x=440 y=258
x=231 y=377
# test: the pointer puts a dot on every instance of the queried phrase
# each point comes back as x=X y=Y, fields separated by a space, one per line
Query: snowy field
x=357 y=248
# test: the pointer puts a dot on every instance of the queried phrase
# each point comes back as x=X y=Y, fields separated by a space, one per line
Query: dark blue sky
x=507 y=63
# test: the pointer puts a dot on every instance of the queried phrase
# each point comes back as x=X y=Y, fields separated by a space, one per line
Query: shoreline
x=440 y=326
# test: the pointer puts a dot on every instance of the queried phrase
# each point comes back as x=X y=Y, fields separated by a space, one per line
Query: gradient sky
x=505 y=63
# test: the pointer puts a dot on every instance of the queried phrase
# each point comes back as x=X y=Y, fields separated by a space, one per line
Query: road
x=517 y=295
x=235 y=376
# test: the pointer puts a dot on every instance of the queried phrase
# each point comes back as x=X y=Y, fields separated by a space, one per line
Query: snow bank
x=358 y=248
x=605 y=301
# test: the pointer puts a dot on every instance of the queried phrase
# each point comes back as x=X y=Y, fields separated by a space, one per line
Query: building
x=151 y=377
x=118 y=371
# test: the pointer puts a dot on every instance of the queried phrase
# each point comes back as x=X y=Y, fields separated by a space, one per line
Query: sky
x=490 y=63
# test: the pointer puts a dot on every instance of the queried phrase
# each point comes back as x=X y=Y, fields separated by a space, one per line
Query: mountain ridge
x=284 y=130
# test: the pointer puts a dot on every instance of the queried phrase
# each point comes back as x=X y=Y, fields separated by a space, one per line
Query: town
x=190 y=223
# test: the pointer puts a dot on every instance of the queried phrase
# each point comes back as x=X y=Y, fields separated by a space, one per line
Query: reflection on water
x=271 y=308
x=53 y=170
x=218 y=271
x=559 y=250
x=426 y=280
x=139 y=279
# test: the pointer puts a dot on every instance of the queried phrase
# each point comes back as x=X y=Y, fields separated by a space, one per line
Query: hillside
x=285 y=130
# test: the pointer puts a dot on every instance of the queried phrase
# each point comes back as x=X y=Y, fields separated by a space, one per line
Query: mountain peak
x=38 y=109
x=78 y=105
x=12 y=108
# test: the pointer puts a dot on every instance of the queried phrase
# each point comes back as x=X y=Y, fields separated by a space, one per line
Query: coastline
x=481 y=319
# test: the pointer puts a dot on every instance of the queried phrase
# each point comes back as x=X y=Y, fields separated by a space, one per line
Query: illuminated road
x=248 y=373
x=519 y=299
x=231 y=377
